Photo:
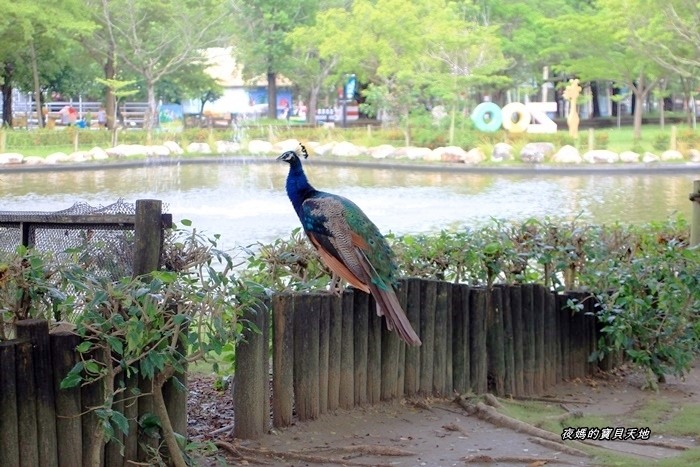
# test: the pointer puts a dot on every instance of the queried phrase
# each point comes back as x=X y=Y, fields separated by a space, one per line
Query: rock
x=629 y=157
x=324 y=149
x=449 y=154
x=258 y=146
x=536 y=153
x=98 y=154
x=173 y=147
x=56 y=158
x=502 y=152
x=671 y=155
x=286 y=145
x=227 y=147
x=474 y=156
x=345 y=149
x=201 y=148
x=650 y=158
x=415 y=153
x=11 y=158
x=127 y=150
x=601 y=156
x=382 y=151
x=567 y=155
x=79 y=156
x=34 y=160
x=157 y=150
x=694 y=155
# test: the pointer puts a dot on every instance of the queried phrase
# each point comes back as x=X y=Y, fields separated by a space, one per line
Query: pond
x=244 y=199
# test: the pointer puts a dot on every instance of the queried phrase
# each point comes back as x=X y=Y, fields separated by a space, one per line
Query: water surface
x=246 y=203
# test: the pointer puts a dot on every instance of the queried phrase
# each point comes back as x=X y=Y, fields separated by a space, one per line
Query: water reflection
x=247 y=203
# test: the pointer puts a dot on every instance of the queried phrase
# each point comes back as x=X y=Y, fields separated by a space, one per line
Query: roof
x=229 y=74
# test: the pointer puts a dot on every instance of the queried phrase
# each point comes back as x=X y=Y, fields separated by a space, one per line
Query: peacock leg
x=336 y=287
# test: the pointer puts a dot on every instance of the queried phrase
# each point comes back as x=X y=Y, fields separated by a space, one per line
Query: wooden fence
x=333 y=352
x=41 y=424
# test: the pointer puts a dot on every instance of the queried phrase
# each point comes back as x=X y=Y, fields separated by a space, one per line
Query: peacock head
x=291 y=156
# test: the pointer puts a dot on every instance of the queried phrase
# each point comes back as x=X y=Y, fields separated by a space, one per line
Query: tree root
x=489 y=414
x=485 y=459
x=258 y=456
x=559 y=447
x=491 y=400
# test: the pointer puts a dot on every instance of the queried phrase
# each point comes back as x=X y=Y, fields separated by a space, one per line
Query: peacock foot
x=336 y=286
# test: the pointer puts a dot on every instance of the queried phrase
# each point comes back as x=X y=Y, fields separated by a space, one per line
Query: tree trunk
x=110 y=99
x=615 y=104
x=271 y=95
x=594 y=100
x=150 y=119
x=7 y=77
x=312 y=106
x=37 y=87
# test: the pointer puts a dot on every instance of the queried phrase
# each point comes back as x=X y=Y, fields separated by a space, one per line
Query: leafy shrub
x=661 y=142
x=601 y=139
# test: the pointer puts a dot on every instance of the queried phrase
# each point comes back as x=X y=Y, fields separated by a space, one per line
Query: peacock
x=348 y=243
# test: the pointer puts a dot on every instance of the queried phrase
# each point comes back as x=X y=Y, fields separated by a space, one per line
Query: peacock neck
x=298 y=187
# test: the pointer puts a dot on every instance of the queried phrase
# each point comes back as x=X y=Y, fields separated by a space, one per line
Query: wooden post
x=509 y=360
x=68 y=427
x=495 y=352
x=335 y=340
x=131 y=412
x=113 y=456
x=346 y=397
x=3 y=140
x=147 y=441
x=252 y=377
x=538 y=309
x=412 y=354
x=591 y=318
x=477 y=340
x=27 y=430
x=306 y=333
x=577 y=347
x=427 y=335
x=324 y=328
x=440 y=339
x=528 y=340
x=147 y=235
x=565 y=322
x=36 y=331
x=283 y=359
x=175 y=389
x=550 y=340
x=695 y=220
x=516 y=311
x=9 y=434
x=591 y=139
x=449 y=331
x=390 y=364
x=374 y=353
x=402 y=294
x=674 y=138
x=361 y=344
x=460 y=338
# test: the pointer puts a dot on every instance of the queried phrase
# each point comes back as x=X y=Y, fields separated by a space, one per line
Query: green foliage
x=151 y=326
x=660 y=142
x=645 y=278
x=601 y=139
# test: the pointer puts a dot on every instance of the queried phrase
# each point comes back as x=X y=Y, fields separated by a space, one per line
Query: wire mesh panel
x=100 y=237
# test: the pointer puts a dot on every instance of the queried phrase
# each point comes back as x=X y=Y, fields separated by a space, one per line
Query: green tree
x=261 y=42
x=36 y=44
x=156 y=39
x=191 y=82
x=600 y=44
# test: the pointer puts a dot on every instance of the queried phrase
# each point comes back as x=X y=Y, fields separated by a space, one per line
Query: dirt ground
x=430 y=432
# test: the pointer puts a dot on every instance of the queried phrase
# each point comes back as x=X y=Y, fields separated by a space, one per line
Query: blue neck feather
x=298 y=187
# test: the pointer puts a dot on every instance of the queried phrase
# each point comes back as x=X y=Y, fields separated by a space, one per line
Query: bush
x=646 y=279
x=661 y=142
